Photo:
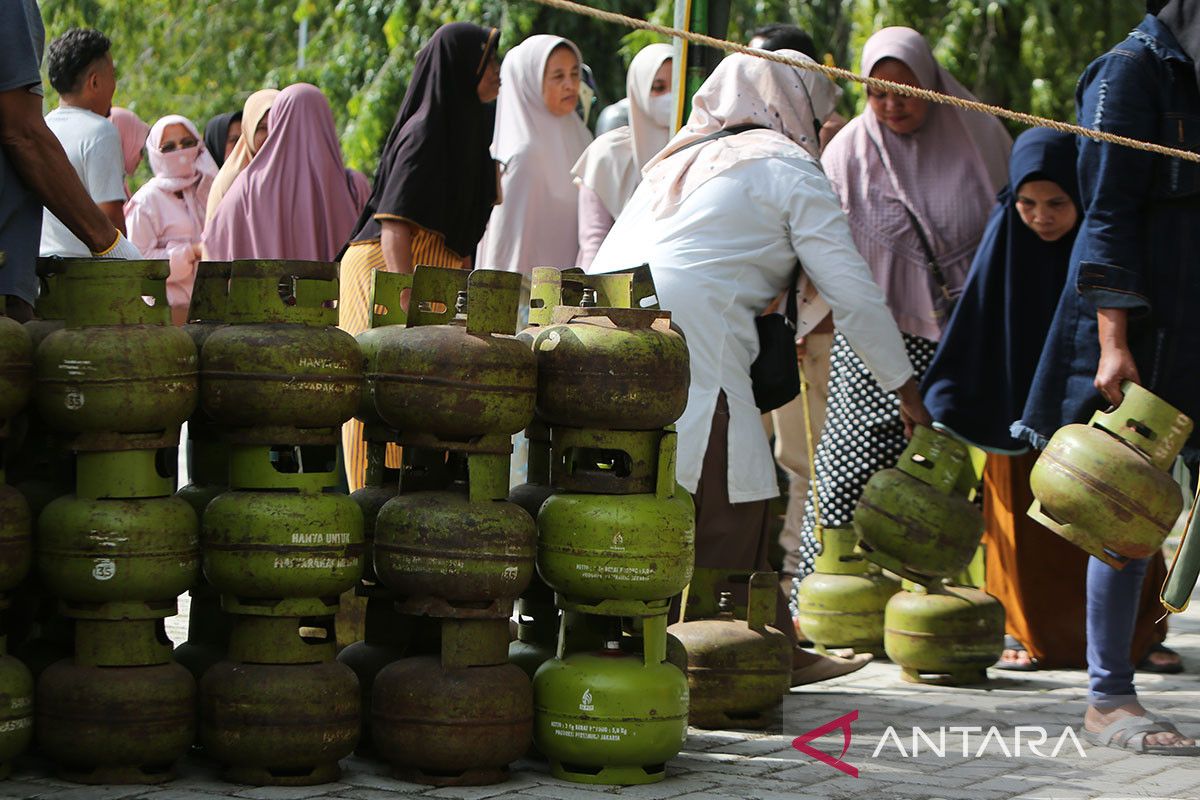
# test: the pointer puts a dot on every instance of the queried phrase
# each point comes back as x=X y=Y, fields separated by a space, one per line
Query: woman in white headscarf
x=611 y=168
x=538 y=139
x=165 y=218
x=722 y=223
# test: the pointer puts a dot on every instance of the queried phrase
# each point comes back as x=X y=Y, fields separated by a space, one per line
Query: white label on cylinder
x=104 y=569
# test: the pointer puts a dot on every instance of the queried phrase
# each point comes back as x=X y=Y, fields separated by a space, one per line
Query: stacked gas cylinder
x=280 y=545
x=616 y=537
x=118 y=380
x=16 y=545
x=916 y=520
x=450 y=555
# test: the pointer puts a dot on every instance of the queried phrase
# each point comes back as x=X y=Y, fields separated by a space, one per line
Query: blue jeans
x=1112 y=606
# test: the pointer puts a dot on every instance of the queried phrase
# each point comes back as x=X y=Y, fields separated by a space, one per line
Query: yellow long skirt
x=354 y=316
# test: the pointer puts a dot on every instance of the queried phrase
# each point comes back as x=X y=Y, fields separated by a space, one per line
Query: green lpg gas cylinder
x=915 y=519
x=281 y=362
x=16 y=365
x=277 y=543
x=946 y=634
x=274 y=724
x=119 y=366
x=610 y=717
x=457 y=718
x=450 y=556
x=116 y=724
x=623 y=554
x=382 y=484
x=16 y=709
x=841 y=603
x=738 y=670
x=624 y=369
x=122 y=546
x=16 y=537
x=456 y=371
x=1106 y=486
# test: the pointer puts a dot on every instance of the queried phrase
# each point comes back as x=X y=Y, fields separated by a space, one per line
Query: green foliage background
x=199 y=57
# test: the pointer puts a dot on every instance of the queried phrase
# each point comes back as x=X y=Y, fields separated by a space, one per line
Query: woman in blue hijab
x=977 y=385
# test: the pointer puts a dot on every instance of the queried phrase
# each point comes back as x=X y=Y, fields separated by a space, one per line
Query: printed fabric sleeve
x=820 y=235
x=1117 y=95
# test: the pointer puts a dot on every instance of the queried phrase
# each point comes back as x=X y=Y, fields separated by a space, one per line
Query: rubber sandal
x=1147 y=665
x=1010 y=643
x=1129 y=733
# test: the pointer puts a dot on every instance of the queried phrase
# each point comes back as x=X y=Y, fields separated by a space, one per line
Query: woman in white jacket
x=722 y=225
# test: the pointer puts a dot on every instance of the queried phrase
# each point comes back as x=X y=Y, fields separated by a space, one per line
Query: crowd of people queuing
x=947 y=274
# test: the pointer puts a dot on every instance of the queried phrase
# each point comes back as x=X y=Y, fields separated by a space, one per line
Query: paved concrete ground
x=764 y=766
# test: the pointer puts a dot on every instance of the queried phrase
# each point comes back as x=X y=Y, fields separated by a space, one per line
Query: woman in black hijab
x=221 y=134
x=435 y=186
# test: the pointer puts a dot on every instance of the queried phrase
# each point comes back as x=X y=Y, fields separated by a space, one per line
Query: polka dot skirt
x=863 y=434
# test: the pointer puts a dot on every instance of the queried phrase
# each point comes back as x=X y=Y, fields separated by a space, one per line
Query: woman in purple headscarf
x=918 y=181
x=296 y=199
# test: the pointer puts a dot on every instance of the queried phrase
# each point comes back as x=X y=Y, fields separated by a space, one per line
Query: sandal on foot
x=1147 y=664
x=1129 y=733
x=1010 y=643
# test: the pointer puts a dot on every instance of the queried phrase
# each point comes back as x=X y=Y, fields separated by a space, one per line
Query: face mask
x=180 y=164
x=661 y=109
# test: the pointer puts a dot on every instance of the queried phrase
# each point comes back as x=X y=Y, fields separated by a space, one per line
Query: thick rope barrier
x=1031 y=120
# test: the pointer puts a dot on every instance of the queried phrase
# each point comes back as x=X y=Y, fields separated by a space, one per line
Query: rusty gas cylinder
x=281 y=711
x=281 y=362
x=118 y=366
x=278 y=543
x=121 y=547
x=456 y=371
x=623 y=369
x=16 y=709
x=738 y=670
x=458 y=718
x=120 y=712
x=454 y=554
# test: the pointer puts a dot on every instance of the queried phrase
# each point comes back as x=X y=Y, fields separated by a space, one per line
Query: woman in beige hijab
x=254 y=133
x=611 y=168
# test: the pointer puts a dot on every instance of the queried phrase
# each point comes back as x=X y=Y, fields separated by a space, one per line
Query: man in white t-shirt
x=81 y=69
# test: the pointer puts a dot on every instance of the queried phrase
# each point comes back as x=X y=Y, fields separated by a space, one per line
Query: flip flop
x=1129 y=733
x=1010 y=643
x=1147 y=665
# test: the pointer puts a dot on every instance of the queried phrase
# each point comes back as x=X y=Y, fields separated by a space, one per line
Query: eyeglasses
x=182 y=144
x=881 y=96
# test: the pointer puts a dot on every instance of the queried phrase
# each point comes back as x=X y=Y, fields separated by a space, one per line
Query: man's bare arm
x=38 y=157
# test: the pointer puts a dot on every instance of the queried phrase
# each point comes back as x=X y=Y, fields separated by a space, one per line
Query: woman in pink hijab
x=296 y=199
x=133 y=138
x=918 y=181
x=165 y=218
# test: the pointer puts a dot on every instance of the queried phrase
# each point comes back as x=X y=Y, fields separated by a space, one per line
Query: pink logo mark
x=843 y=722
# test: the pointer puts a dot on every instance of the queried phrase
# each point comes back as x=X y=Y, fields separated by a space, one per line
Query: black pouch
x=775 y=373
